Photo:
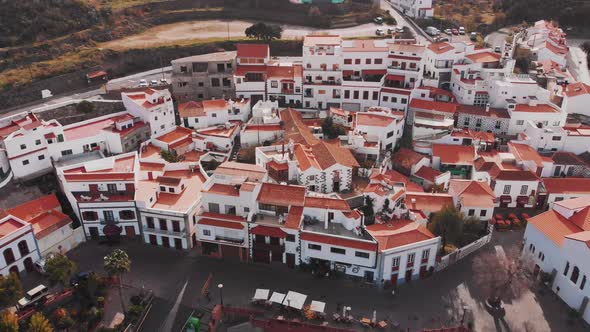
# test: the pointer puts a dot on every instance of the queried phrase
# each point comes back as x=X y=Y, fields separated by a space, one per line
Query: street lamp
x=220 y=286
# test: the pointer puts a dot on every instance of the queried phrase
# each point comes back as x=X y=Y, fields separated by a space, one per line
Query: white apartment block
x=557 y=242
x=414 y=8
x=18 y=246
x=154 y=107
x=208 y=113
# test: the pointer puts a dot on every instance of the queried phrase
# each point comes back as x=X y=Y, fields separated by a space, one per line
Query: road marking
x=171 y=317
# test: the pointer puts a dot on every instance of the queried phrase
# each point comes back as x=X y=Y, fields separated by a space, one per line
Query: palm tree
x=8 y=322
x=39 y=323
x=116 y=264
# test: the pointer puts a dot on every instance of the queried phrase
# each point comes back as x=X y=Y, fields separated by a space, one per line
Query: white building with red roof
x=576 y=98
x=407 y=251
x=52 y=228
x=541 y=113
x=32 y=148
x=415 y=9
x=558 y=242
x=381 y=126
x=18 y=245
x=250 y=73
x=473 y=198
x=102 y=194
x=559 y=189
x=439 y=59
x=207 y=113
x=154 y=107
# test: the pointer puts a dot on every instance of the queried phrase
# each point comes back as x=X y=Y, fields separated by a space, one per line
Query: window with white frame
x=524 y=189
x=507 y=189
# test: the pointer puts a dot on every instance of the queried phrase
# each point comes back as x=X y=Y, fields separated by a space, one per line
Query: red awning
x=347 y=73
x=505 y=199
x=374 y=72
x=394 y=78
x=221 y=223
x=269 y=231
x=522 y=199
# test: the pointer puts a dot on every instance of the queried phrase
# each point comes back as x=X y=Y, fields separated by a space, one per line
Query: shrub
x=84 y=107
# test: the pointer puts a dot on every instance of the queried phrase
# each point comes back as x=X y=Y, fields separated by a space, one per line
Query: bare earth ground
x=191 y=30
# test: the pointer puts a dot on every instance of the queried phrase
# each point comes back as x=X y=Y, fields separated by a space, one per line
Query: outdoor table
x=294 y=300
x=261 y=294
x=317 y=306
x=277 y=297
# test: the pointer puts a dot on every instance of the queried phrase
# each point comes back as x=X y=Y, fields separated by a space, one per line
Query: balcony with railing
x=228 y=239
x=178 y=233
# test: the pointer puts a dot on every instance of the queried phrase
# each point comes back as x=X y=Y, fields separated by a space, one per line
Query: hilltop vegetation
x=32 y=21
x=566 y=12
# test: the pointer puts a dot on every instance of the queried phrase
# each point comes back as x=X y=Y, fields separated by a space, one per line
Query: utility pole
x=227 y=29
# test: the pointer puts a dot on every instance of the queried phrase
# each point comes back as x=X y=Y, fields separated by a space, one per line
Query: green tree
x=8 y=322
x=263 y=31
x=84 y=107
x=330 y=129
x=386 y=205
x=39 y=323
x=59 y=269
x=448 y=224
x=117 y=263
x=10 y=289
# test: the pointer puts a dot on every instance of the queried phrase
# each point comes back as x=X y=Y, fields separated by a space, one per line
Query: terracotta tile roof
x=574 y=203
x=567 y=185
x=326 y=203
x=440 y=48
x=472 y=193
x=428 y=202
x=499 y=113
x=43 y=213
x=576 y=89
x=454 y=154
x=567 y=158
x=295 y=129
x=177 y=134
x=484 y=57
x=294 y=217
x=221 y=223
x=373 y=120
x=288 y=72
x=329 y=154
x=191 y=109
x=224 y=189
x=431 y=105
x=338 y=241
x=581 y=236
x=283 y=195
x=376 y=188
x=253 y=173
x=582 y=218
x=427 y=173
x=406 y=158
x=9 y=225
x=554 y=226
x=539 y=108
x=398 y=233
x=515 y=175
x=252 y=50
x=524 y=152
x=480 y=135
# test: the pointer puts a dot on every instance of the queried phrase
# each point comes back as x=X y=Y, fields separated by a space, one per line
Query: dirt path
x=191 y=30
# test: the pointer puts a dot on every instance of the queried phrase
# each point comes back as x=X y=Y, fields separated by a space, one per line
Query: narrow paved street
x=430 y=303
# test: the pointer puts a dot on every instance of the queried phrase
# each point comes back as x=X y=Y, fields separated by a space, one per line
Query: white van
x=432 y=31
x=31 y=297
x=461 y=30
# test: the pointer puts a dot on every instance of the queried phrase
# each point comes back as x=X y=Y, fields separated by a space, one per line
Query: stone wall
x=69 y=114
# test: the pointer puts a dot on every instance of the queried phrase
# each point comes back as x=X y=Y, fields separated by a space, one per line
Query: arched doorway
x=14 y=269
x=29 y=266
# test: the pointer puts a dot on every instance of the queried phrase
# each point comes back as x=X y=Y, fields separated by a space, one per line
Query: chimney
x=413 y=200
x=488 y=108
x=533 y=101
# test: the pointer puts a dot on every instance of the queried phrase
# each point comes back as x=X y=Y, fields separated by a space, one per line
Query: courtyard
x=177 y=279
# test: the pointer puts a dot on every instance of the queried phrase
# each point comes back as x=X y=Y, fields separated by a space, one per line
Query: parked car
x=461 y=30
x=448 y=32
x=432 y=31
x=378 y=20
x=80 y=276
x=399 y=29
x=143 y=83
x=153 y=82
x=32 y=296
x=441 y=39
x=455 y=31
x=498 y=49
x=40 y=264
x=163 y=81
x=390 y=31
x=473 y=36
x=379 y=32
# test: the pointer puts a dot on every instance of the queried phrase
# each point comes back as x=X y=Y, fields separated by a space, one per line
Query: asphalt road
x=429 y=303
x=497 y=38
